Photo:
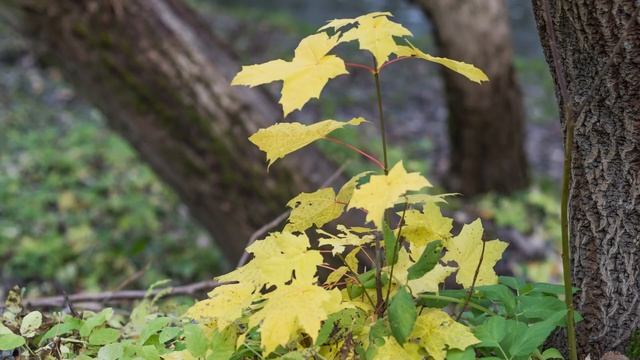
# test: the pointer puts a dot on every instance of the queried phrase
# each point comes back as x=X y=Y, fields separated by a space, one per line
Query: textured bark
x=485 y=121
x=605 y=188
x=162 y=80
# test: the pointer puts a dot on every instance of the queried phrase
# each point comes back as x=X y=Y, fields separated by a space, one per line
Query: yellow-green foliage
x=382 y=293
x=279 y=293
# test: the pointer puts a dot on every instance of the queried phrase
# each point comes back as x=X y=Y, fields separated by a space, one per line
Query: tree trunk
x=162 y=80
x=485 y=121
x=605 y=186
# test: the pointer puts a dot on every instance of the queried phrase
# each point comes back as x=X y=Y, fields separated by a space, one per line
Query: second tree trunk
x=485 y=121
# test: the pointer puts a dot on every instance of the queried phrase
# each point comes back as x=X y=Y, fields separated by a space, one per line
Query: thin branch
x=457 y=301
x=280 y=218
x=259 y=233
x=364 y=290
x=387 y=63
x=568 y=114
x=351 y=147
x=114 y=296
x=473 y=283
x=360 y=66
x=396 y=249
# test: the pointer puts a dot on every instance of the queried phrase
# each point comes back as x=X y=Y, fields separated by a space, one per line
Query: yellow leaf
x=436 y=332
x=283 y=138
x=336 y=275
x=317 y=208
x=391 y=350
x=275 y=259
x=344 y=237
x=346 y=192
x=430 y=281
x=339 y=23
x=466 y=248
x=291 y=309
x=224 y=306
x=422 y=227
x=381 y=192
x=374 y=32
x=423 y=199
x=304 y=76
x=468 y=70
x=351 y=259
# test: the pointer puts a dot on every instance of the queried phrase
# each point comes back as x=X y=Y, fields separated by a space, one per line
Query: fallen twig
x=114 y=296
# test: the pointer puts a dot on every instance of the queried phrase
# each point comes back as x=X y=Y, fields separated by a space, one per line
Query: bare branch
x=124 y=295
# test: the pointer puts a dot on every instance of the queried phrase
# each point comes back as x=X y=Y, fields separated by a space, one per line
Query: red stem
x=361 y=66
x=393 y=61
x=351 y=147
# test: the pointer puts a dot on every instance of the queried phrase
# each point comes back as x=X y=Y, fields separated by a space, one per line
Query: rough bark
x=603 y=88
x=162 y=80
x=485 y=121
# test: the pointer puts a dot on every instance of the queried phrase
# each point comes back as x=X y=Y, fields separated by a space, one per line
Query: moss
x=124 y=80
x=633 y=347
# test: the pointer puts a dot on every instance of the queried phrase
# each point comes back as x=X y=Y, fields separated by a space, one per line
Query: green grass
x=78 y=209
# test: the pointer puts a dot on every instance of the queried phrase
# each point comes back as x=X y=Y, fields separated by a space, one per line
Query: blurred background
x=80 y=210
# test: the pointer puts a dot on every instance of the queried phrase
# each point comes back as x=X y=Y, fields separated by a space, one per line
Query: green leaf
x=111 y=352
x=491 y=332
x=390 y=244
x=523 y=340
x=501 y=295
x=467 y=354
x=344 y=320
x=149 y=352
x=427 y=261
x=402 y=315
x=512 y=282
x=103 y=336
x=30 y=324
x=540 y=307
x=552 y=353
x=70 y=324
x=168 y=334
x=195 y=340
x=152 y=327
x=95 y=321
x=223 y=344
x=11 y=341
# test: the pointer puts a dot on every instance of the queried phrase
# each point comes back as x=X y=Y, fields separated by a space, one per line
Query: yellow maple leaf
x=275 y=259
x=344 y=237
x=467 y=70
x=224 y=306
x=391 y=350
x=346 y=191
x=336 y=24
x=429 y=282
x=381 y=192
x=374 y=32
x=436 y=332
x=288 y=310
x=466 y=249
x=304 y=77
x=421 y=227
x=336 y=275
x=316 y=208
x=283 y=138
